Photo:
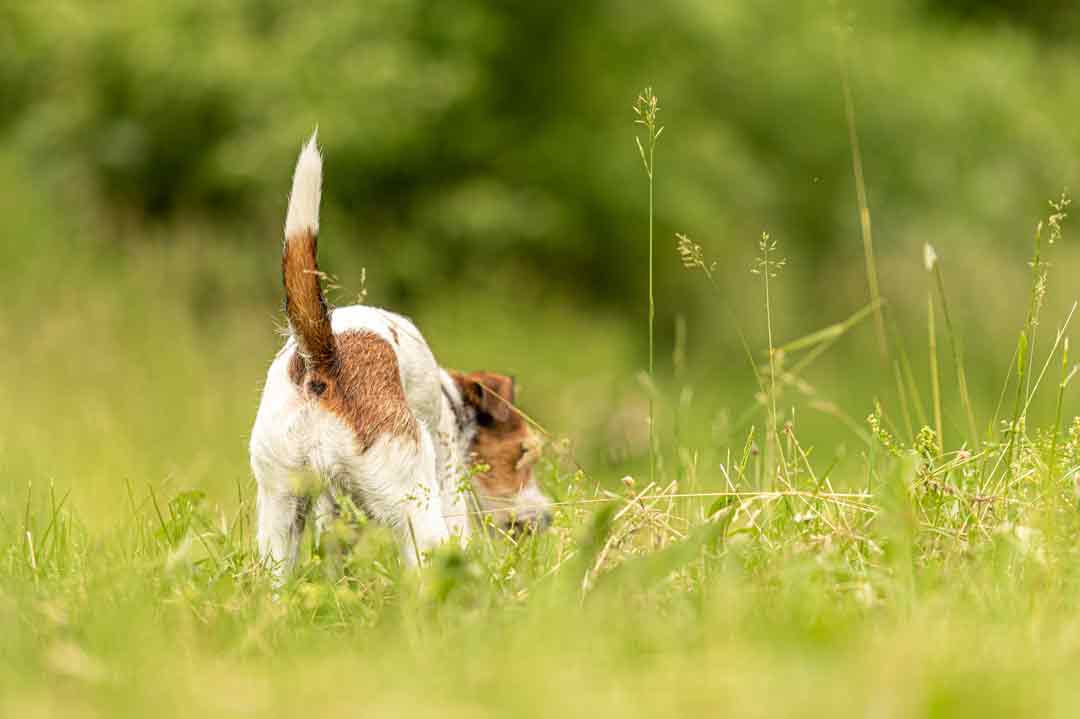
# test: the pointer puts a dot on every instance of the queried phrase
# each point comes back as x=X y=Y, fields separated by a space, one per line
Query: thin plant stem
x=865 y=226
x=1050 y=464
x=768 y=267
x=1022 y=361
x=990 y=428
x=652 y=327
x=935 y=380
x=958 y=359
x=772 y=362
x=1053 y=350
x=646 y=108
x=909 y=377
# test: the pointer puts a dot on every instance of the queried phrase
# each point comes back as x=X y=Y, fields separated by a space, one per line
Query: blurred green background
x=482 y=177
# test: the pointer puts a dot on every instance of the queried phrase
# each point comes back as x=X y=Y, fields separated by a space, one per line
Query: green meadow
x=801 y=359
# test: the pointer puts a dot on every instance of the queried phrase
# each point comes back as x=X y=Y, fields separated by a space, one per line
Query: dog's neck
x=463 y=427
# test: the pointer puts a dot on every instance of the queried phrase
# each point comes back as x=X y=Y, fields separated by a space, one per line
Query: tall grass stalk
x=646 y=108
x=692 y=256
x=1025 y=344
x=909 y=387
x=935 y=380
x=934 y=267
x=865 y=226
x=1058 y=341
x=992 y=426
x=769 y=268
x=1025 y=353
x=1065 y=377
x=815 y=344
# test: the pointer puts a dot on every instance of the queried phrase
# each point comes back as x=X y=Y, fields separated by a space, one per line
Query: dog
x=356 y=397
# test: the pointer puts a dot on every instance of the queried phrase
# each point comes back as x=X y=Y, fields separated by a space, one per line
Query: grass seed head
x=693 y=256
x=929 y=257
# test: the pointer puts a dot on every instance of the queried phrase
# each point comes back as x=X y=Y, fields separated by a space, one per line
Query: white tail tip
x=306 y=190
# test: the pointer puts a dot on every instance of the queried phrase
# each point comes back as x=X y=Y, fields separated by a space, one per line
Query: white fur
x=306 y=192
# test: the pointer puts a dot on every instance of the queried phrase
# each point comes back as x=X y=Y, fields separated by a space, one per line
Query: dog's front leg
x=421 y=529
x=420 y=524
x=455 y=509
x=327 y=511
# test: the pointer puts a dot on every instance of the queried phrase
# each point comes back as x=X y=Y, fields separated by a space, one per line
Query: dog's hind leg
x=282 y=513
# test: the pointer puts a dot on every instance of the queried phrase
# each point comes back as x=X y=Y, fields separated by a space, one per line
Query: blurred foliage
x=481 y=166
x=1049 y=18
x=469 y=138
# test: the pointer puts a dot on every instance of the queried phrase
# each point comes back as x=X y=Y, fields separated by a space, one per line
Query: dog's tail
x=305 y=306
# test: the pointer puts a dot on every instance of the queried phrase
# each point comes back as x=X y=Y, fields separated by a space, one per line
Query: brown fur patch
x=297 y=369
x=489 y=393
x=502 y=435
x=362 y=384
x=304 y=303
x=501 y=451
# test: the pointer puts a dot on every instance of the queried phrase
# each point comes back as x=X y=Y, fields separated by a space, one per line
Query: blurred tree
x=489 y=144
x=1051 y=18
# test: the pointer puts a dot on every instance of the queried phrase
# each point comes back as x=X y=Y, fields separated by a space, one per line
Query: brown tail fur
x=305 y=305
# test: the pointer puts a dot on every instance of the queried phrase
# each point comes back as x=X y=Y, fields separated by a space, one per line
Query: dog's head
x=506 y=449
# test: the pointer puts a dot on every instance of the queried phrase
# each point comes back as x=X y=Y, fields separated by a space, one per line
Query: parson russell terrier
x=355 y=396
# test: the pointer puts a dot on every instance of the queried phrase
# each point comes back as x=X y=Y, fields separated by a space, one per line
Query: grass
x=643 y=601
x=916 y=577
x=646 y=108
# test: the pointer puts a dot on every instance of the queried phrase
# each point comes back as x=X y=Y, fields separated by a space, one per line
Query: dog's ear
x=488 y=393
